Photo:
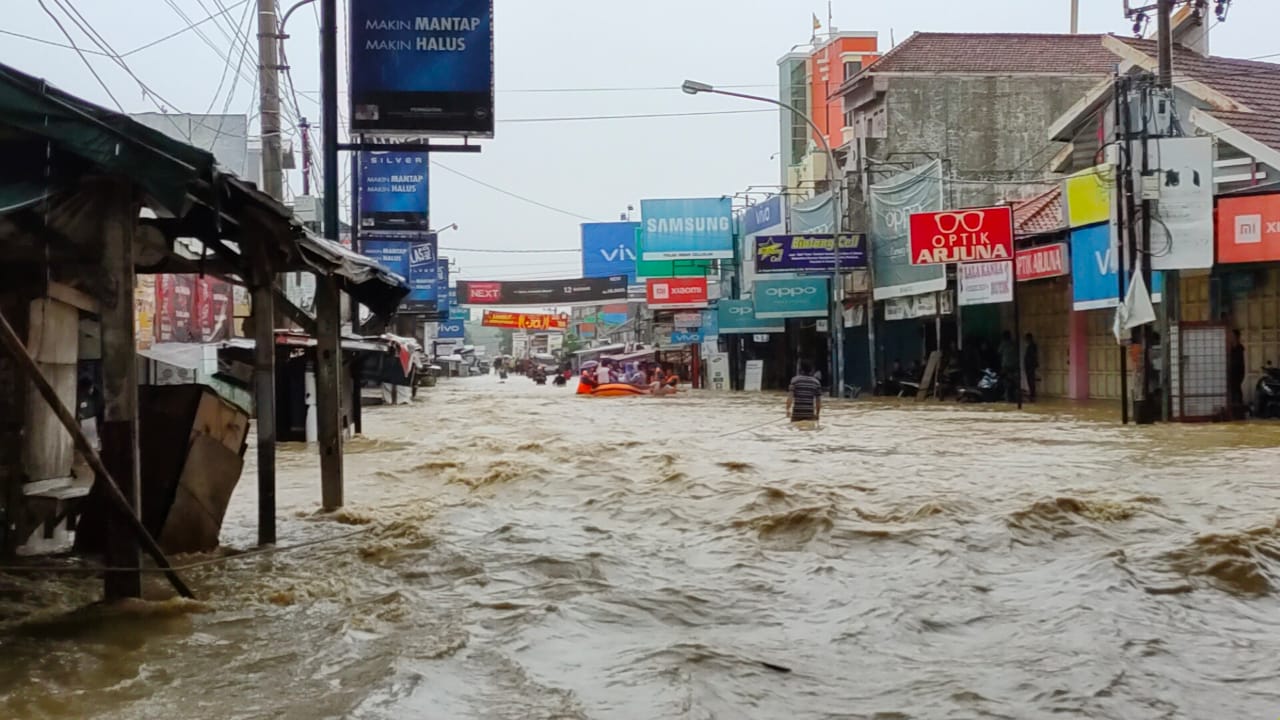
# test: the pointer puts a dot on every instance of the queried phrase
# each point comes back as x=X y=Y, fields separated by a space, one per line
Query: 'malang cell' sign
x=809 y=253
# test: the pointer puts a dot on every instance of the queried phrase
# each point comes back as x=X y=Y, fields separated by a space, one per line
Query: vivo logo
x=791 y=292
x=618 y=254
x=763 y=215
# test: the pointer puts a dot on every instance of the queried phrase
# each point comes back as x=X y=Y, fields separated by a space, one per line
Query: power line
x=508 y=193
x=636 y=116
x=51 y=43
x=651 y=88
x=75 y=47
x=182 y=30
x=510 y=252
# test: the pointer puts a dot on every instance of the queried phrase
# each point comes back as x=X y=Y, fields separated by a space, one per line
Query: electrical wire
x=180 y=31
x=507 y=252
x=508 y=193
x=75 y=47
x=636 y=116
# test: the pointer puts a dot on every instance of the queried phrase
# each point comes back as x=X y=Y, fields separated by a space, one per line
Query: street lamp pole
x=693 y=87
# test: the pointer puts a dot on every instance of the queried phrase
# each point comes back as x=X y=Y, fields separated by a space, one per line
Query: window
x=852 y=67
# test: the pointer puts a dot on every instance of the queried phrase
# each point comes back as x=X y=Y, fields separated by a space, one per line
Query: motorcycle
x=990 y=388
x=1266 y=394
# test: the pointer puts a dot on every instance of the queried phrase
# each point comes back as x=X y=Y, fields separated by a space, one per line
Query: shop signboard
x=808 y=253
x=791 y=298
x=738 y=317
x=646 y=269
x=393 y=191
x=691 y=336
x=413 y=257
x=422 y=68
x=753 y=379
x=766 y=218
x=687 y=229
x=892 y=203
x=677 y=293
x=960 y=236
x=451 y=330
x=543 y=293
x=687 y=319
x=1045 y=261
x=536 y=322
x=717 y=371
x=1089 y=199
x=1249 y=229
x=985 y=283
x=1094 y=265
x=609 y=249
x=1183 y=239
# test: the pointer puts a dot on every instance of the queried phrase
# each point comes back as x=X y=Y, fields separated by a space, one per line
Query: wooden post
x=328 y=390
x=264 y=401
x=119 y=431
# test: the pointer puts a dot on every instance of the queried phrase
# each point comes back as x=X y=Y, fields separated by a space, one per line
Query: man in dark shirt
x=1235 y=374
x=805 y=400
x=1030 y=365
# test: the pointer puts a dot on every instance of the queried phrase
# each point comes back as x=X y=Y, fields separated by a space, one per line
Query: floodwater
x=524 y=553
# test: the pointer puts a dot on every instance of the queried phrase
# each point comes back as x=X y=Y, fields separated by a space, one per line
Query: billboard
x=892 y=204
x=646 y=269
x=609 y=249
x=422 y=67
x=1045 y=261
x=690 y=229
x=414 y=259
x=394 y=191
x=525 y=321
x=1094 y=265
x=767 y=218
x=677 y=293
x=451 y=330
x=738 y=317
x=543 y=293
x=1249 y=229
x=808 y=253
x=1183 y=237
x=792 y=298
x=960 y=236
x=985 y=283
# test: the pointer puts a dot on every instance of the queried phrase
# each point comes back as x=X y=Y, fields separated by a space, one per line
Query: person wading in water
x=804 y=403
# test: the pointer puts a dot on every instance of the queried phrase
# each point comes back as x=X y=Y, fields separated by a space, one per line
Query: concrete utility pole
x=269 y=98
x=1164 y=39
x=1075 y=17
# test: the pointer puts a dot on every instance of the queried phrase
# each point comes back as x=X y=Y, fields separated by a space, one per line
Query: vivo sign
x=609 y=249
x=791 y=298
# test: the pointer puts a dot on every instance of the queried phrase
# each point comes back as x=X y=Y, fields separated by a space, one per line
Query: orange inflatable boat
x=613 y=390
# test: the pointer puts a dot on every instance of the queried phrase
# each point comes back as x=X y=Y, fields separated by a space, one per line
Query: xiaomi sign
x=677 y=293
x=1249 y=229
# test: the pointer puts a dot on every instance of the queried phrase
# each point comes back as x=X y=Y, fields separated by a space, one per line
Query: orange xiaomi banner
x=1249 y=229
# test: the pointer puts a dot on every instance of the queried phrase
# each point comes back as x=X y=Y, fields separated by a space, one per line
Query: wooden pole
x=329 y=389
x=264 y=402
x=13 y=345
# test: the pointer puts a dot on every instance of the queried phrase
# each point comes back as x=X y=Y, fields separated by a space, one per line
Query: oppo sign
x=791 y=292
x=806 y=297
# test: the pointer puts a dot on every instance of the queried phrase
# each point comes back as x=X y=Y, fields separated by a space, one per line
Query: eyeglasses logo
x=951 y=223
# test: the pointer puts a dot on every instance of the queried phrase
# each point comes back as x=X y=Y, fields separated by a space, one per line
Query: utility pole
x=1164 y=38
x=304 y=128
x=269 y=98
x=1075 y=17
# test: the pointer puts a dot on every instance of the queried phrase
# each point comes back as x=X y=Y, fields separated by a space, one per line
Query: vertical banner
x=693 y=229
x=609 y=249
x=422 y=67
x=892 y=205
x=1183 y=239
x=164 y=308
x=144 y=311
x=767 y=218
x=184 y=291
x=394 y=191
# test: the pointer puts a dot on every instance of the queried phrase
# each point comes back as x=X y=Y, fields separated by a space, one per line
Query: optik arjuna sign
x=959 y=236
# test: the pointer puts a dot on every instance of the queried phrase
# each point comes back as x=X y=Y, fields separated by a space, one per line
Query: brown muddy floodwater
x=531 y=554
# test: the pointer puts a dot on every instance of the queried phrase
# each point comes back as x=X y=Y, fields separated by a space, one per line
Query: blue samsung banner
x=451 y=330
x=808 y=253
x=1094 y=264
x=393 y=191
x=412 y=257
x=738 y=317
x=422 y=67
x=792 y=298
x=699 y=229
x=609 y=249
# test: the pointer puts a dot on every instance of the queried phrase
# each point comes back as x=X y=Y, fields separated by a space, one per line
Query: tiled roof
x=1256 y=85
x=1013 y=53
x=1040 y=215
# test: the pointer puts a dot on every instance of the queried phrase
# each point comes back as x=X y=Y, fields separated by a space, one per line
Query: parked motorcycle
x=1266 y=394
x=990 y=388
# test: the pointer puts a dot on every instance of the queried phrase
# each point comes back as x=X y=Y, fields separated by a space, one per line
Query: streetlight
x=693 y=87
x=450 y=226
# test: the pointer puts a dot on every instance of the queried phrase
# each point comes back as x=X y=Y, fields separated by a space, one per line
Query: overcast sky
x=606 y=51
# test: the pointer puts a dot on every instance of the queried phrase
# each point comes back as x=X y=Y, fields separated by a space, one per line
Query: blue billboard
x=698 y=229
x=738 y=317
x=792 y=298
x=609 y=249
x=808 y=253
x=451 y=330
x=422 y=67
x=765 y=216
x=1094 y=265
x=393 y=191
x=692 y=336
x=413 y=257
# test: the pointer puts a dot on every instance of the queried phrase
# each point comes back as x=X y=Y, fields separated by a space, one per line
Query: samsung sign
x=791 y=298
x=698 y=229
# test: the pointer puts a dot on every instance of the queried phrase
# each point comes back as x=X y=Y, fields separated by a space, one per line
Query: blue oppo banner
x=422 y=67
x=698 y=229
x=393 y=191
x=412 y=257
x=609 y=249
x=1094 y=264
x=808 y=253
x=791 y=298
x=451 y=330
x=738 y=317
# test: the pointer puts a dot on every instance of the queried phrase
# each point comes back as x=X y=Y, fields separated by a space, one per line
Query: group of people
x=655 y=376
x=965 y=367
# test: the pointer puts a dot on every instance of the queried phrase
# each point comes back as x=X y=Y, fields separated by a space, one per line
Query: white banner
x=1182 y=236
x=754 y=379
x=717 y=372
x=985 y=283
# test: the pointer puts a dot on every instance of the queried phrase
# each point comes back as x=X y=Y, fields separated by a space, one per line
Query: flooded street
x=524 y=553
